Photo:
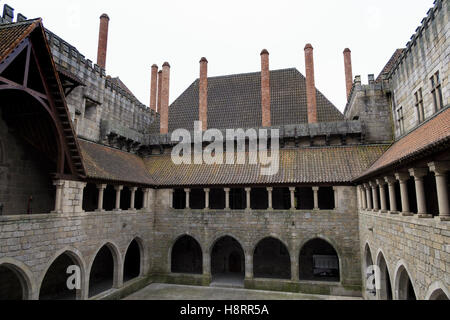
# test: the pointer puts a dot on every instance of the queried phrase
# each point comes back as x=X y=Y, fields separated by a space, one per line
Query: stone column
x=248 y=198
x=188 y=191
x=316 y=198
x=227 y=198
x=363 y=197
x=376 y=206
x=171 y=198
x=101 y=191
x=381 y=185
x=418 y=174
x=118 y=190
x=336 y=199
x=440 y=170
x=295 y=276
x=368 y=196
x=403 y=178
x=59 y=184
x=392 y=199
x=133 y=198
x=269 y=196
x=207 y=190
x=292 y=191
x=206 y=264
x=145 y=198
x=248 y=266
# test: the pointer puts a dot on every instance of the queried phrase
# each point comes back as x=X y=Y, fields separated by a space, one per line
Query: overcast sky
x=231 y=35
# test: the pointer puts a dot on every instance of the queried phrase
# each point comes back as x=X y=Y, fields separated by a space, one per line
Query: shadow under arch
x=403 y=283
x=134 y=259
x=384 y=291
x=16 y=277
x=227 y=260
x=437 y=291
x=271 y=259
x=320 y=260
x=186 y=255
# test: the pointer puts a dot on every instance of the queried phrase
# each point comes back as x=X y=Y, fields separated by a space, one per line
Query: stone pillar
x=376 y=206
x=368 y=196
x=403 y=178
x=207 y=190
x=418 y=174
x=248 y=198
x=336 y=199
x=101 y=191
x=392 y=199
x=206 y=264
x=363 y=197
x=118 y=190
x=269 y=196
x=248 y=266
x=133 y=198
x=292 y=191
x=145 y=198
x=171 y=191
x=316 y=198
x=188 y=191
x=381 y=185
x=59 y=184
x=295 y=276
x=227 y=198
x=440 y=170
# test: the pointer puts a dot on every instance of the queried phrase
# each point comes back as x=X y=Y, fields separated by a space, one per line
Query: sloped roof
x=297 y=166
x=234 y=101
x=105 y=163
x=390 y=64
x=12 y=34
x=431 y=134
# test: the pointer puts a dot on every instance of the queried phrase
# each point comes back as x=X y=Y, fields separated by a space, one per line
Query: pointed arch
x=22 y=281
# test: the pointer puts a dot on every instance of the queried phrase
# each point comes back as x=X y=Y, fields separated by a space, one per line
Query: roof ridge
x=248 y=73
x=15 y=24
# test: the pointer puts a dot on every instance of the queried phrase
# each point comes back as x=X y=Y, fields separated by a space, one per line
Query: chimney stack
x=164 y=122
x=103 y=40
x=348 y=71
x=158 y=106
x=153 y=87
x=310 y=84
x=265 y=89
x=203 y=94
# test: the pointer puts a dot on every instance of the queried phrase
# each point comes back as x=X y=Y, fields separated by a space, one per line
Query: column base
x=393 y=212
x=56 y=212
x=100 y=210
x=424 y=216
x=117 y=210
x=406 y=214
x=384 y=211
x=443 y=218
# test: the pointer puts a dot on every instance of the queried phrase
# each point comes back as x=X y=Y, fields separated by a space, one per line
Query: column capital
x=226 y=189
x=187 y=190
x=380 y=182
x=366 y=186
x=59 y=183
x=207 y=189
x=390 y=179
x=335 y=188
x=248 y=189
x=118 y=188
x=102 y=186
x=418 y=172
x=316 y=188
x=270 y=189
x=439 y=167
x=402 y=176
x=373 y=184
x=133 y=189
x=292 y=189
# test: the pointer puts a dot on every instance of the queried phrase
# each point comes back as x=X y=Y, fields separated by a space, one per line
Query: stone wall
x=425 y=54
x=421 y=246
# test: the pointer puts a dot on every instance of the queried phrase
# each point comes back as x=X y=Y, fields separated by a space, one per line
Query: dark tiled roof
x=12 y=34
x=388 y=67
x=297 y=166
x=430 y=134
x=234 y=101
x=104 y=163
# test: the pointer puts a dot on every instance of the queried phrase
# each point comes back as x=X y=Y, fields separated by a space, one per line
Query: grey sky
x=231 y=34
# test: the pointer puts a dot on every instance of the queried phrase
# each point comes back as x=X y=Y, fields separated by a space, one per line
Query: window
x=90 y=112
x=400 y=120
x=436 y=91
x=419 y=105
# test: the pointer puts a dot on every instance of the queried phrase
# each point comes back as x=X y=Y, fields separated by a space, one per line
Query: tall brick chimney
x=265 y=89
x=310 y=84
x=103 y=40
x=203 y=94
x=348 y=71
x=158 y=107
x=153 y=87
x=164 y=112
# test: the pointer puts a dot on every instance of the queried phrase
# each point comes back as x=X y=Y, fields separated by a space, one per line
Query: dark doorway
x=102 y=272
x=228 y=261
x=12 y=285
x=132 y=264
x=271 y=260
x=319 y=261
x=187 y=256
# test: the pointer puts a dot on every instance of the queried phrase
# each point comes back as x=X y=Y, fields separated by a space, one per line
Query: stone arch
x=23 y=276
x=437 y=291
x=384 y=292
x=332 y=259
x=271 y=259
x=368 y=272
x=227 y=260
x=186 y=255
x=134 y=259
x=403 y=283
x=58 y=265
x=110 y=260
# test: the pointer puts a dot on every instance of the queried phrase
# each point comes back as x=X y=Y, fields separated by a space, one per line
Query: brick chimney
x=158 y=107
x=103 y=40
x=164 y=112
x=153 y=87
x=348 y=71
x=203 y=94
x=265 y=89
x=310 y=84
